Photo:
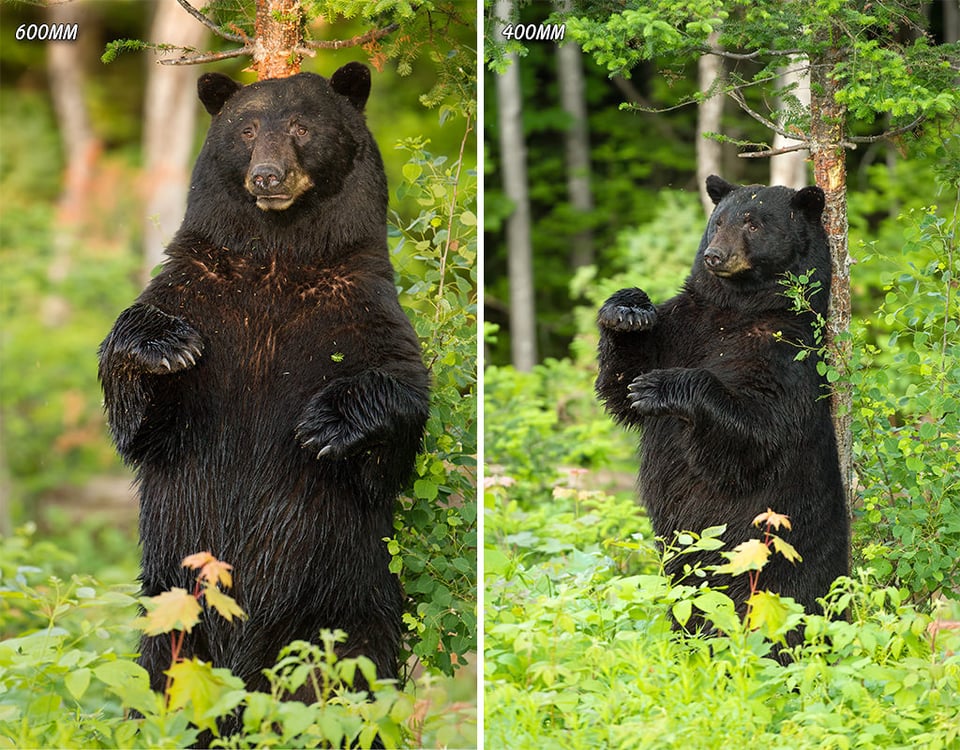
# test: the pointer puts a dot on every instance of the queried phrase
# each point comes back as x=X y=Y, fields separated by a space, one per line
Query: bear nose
x=712 y=257
x=266 y=176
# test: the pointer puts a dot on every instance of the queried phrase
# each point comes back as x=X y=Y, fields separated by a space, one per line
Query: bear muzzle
x=724 y=264
x=275 y=188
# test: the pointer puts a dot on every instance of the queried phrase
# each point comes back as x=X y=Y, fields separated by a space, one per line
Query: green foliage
x=906 y=415
x=879 y=73
x=68 y=678
x=436 y=541
x=580 y=652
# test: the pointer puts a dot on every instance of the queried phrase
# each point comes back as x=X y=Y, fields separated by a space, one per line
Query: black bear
x=266 y=385
x=732 y=423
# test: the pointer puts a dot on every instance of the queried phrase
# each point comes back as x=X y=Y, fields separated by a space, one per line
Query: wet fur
x=269 y=390
x=731 y=423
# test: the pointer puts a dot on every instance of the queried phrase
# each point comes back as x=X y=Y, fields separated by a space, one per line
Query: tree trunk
x=829 y=167
x=523 y=342
x=278 y=29
x=709 y=113
x=66 y=68
x=790 y=169
x=170 y=115
x=576 y=142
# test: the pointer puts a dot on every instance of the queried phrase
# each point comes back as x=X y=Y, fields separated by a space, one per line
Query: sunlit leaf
x=772 y=519
x=211 y=569
x=786 y=549
x=749 y=555
x=766 y=612
x=176 y=609
x=224 y=604
x=197 y=687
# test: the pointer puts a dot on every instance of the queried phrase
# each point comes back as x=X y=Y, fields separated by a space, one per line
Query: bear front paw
x=627 y=310
x=648 y=394
x=325 y=432
x=151 y=341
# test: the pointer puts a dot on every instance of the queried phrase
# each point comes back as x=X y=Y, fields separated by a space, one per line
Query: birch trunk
x=170 y=116
x=523 y=342
x=576 y=143
x=709 y=114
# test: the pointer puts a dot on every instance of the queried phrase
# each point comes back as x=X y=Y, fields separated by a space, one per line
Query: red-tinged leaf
x=197 y=560
x=224 y=604
x=786 y=549
x=773 y=520
x=216 y=572
x=176 y=609
x=750 y=555
x=211 y=569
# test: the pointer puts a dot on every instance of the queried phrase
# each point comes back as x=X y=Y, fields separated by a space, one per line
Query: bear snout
x=266 y=177
x=712 y=257
x=274 y=187
x=726 y=263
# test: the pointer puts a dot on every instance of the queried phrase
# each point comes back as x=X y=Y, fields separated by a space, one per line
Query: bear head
x=756 y=234
x=277 y=140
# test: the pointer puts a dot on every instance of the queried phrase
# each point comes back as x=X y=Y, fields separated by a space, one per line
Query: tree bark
x=709 y=114
x=829 y=167
x=278 y=29
x=523 y=342
x=576 y=142
x=790 y=169
x=66 y=68
x=170 y=115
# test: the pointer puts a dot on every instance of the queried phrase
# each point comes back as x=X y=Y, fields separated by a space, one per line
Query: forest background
x=97 y=141
x=579 y=651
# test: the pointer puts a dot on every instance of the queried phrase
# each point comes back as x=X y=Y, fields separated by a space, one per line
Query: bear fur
x=266 y=385
x=732 y=423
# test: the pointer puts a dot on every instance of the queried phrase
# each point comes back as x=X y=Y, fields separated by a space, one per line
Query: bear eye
x=299 y=130
x=248 y=132
x=752 y=227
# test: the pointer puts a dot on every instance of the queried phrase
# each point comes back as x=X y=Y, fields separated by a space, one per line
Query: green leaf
x=425 y=489
x=682 y=611
x=77 y=682
x=411 y=171
x=196 y=687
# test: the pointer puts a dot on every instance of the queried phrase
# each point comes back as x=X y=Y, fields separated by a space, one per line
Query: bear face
x=756 y=234
x=267 y=133
x=288 y=154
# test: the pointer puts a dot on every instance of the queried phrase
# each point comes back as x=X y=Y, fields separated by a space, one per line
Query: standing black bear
x=732 y=423
x=267 y=386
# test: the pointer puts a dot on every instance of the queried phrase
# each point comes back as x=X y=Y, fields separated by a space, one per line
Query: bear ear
x=810 y=202
x=353 y=82
x=718 y=188
x=214 y=89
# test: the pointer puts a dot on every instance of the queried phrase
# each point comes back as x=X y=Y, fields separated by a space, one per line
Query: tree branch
x=371 y=36
x=198 y=58
x=768 y=123
x=749 y=55
x=774 y=151
x=887 y=133
x=209 y=24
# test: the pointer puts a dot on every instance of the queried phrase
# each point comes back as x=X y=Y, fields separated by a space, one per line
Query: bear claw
x=627 y=310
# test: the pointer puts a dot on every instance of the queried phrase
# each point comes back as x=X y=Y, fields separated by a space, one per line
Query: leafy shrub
x=580 y=652
x=907 y=414
x=435 y=547
x=68 y=678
